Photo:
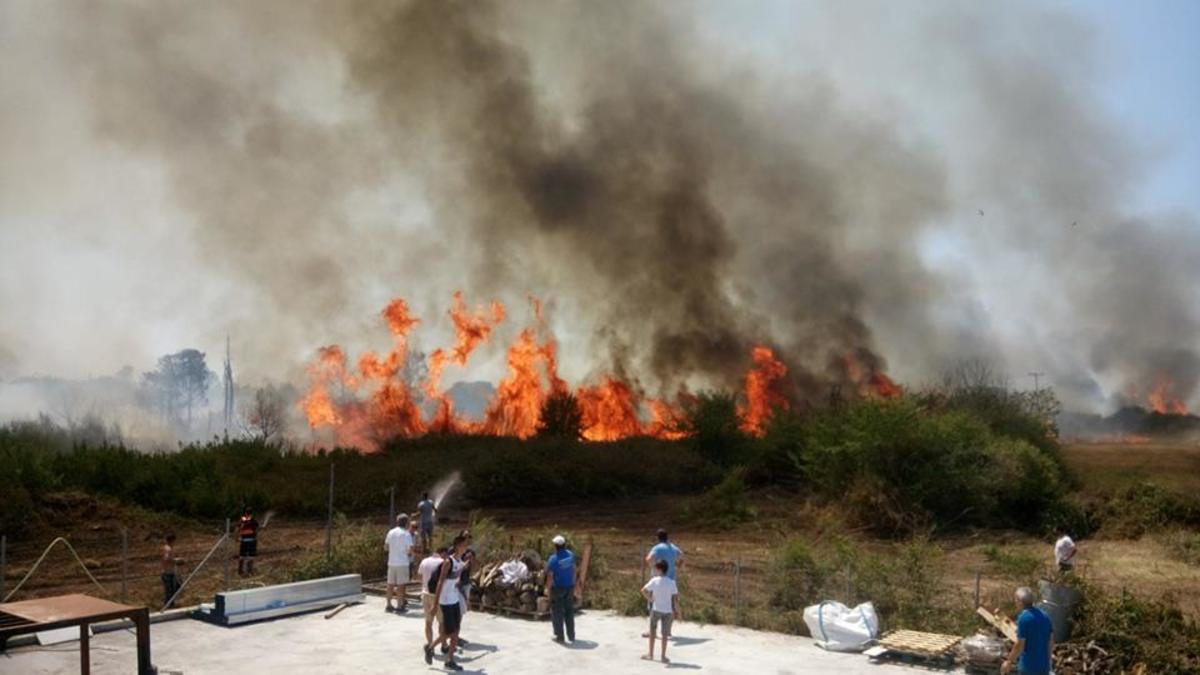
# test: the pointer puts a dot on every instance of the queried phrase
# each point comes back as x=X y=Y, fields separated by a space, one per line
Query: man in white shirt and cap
x=1064 y=552
x=399 y=545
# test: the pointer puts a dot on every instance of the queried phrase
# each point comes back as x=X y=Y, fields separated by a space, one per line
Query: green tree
x=179 y=384
x=713 y=423
x=561 y=417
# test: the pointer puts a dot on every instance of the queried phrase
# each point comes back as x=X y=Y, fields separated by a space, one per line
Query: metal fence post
x=737 y=588
x=977 y=577
x=228 y=554
x=391 y=506
x=329 y=517
x=3 y=565
x=124 y=564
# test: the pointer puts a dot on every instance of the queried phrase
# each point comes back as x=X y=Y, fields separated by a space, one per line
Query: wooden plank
x=583 y=570
x=1001 y=623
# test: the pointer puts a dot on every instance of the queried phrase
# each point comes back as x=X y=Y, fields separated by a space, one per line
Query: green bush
x=907 y=586
x=796 y=576
x=357 y=549
x=1183 y=546
x=1146 y=507
x=1151 y=634
x=713 y=428
x=723 y=506
x=901 y=467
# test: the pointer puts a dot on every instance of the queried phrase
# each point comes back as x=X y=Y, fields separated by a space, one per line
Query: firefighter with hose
x=247 y=534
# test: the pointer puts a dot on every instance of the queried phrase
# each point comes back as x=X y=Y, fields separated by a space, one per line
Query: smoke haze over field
x=676 y=193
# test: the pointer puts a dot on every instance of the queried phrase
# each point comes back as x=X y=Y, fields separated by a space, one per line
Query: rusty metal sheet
x=63 y=608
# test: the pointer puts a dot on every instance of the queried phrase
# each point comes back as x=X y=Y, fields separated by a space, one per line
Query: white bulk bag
x=838 y=628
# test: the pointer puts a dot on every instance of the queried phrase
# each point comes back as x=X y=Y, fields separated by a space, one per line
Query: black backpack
x=436 y=577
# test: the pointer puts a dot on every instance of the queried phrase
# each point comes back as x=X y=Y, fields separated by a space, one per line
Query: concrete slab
x=365 y=639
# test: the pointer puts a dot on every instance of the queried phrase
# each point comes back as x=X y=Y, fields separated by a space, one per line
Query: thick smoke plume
x=619 y=159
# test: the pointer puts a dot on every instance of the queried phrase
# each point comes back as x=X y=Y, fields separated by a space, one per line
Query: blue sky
x=1152 y=51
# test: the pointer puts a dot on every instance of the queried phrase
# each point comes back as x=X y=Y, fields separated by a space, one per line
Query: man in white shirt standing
x=399 y=545
x=1064 y=553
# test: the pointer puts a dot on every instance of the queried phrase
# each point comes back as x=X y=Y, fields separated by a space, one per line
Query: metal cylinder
x=228 y=554
x=124 y=564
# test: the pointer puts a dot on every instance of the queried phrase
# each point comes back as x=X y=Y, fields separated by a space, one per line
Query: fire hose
x=43 y=557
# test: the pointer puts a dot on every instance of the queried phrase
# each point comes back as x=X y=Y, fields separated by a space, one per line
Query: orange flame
x=609 y=410
x=763 y=393
x=470 y=330
x=518 y=403
x=869 y=381
x=372 y=403
x=666 y=420
x=1163 y=399
x=390 y=409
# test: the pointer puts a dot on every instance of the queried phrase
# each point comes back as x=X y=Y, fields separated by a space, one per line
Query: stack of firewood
x=494 y=593
x=1077 y=658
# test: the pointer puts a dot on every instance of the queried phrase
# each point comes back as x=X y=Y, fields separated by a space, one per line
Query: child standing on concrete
x=663 y=596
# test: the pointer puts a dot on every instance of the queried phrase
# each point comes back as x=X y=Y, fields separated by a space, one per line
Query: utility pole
x=391 y=506
x=1036 y=375
x=227 y=384
x=329 y=517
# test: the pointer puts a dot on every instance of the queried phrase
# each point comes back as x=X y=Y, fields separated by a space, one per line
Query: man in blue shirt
x=665 y=550
x=1035 y=638
x=427 y=509
x=560 y=580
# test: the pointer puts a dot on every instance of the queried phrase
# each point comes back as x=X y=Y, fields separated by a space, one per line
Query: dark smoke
x=675 y=210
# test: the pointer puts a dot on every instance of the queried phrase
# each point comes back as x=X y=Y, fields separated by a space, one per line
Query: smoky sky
x=174 y=172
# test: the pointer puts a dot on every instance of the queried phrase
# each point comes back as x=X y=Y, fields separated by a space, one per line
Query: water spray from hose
x=444 y=487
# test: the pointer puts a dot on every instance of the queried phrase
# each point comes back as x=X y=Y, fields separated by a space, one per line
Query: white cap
x=559 y=540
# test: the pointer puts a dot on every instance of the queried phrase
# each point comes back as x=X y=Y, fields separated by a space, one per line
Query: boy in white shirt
x=663 y=596
x=399 y=544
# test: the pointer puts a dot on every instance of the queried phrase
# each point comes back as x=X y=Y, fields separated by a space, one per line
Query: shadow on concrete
x=684 y=666
x=479 y=647
x=687 y=641
x=581 y=644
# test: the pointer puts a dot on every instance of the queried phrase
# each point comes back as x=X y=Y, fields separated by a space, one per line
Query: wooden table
x=30 y=616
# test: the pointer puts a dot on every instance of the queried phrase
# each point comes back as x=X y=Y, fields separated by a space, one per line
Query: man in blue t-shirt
x=666 y=551
x=560 y=580
x=1035 y=638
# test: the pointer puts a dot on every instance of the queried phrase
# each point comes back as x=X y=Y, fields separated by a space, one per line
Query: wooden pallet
x=510 y=611
x=925 y=645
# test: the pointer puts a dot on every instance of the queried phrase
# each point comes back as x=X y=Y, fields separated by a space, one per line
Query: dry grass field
x=1102 y=467
x=623 y=531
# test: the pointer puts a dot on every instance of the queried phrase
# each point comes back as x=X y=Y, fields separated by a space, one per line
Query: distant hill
x=471 y=398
